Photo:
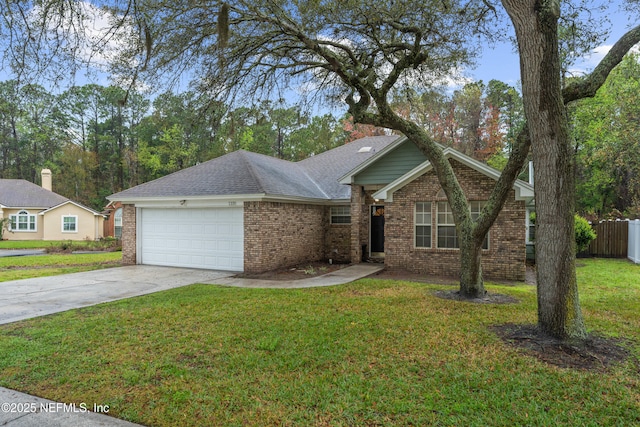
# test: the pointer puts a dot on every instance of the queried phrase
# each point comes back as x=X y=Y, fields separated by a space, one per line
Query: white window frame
x=444 y=218
x=117 y=223
x=444 y=212
x=30 y=221
x=75 y=223
x=422 y=218
x=530 y=225
x=343 y=212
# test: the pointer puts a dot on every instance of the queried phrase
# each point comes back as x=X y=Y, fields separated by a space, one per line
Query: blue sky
x=502 y=63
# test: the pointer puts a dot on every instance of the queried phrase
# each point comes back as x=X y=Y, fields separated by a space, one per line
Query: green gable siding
x=392 y=165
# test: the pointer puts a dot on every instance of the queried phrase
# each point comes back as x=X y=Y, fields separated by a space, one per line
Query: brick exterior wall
x=128 y=234
x=109 y=222
x=278 y=235
x=505 y=258
x=337 y=246
x=358 y=220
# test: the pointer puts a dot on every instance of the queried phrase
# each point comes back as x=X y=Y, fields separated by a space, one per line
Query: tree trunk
x=471 y=234
x=471 y=283
x=535 y=22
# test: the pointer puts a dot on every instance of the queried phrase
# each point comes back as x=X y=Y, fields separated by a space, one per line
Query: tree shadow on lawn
x=487 y=298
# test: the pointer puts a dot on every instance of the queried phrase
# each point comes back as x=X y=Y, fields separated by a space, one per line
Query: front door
x=377 y=231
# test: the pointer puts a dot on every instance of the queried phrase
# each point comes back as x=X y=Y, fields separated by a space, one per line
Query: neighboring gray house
x=376 y=197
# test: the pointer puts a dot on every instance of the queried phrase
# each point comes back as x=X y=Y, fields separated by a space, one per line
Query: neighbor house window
x=70 y=224
x=23 y=221
x=446 y=227
x=117 y=223
x=423 y=224
x=340 y=215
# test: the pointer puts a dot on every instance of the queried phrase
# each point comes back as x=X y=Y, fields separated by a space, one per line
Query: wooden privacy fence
x=612 y=239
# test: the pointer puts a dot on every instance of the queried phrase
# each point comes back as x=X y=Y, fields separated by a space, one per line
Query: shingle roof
x=242 y=172
x=326 y=168
x=19 y=193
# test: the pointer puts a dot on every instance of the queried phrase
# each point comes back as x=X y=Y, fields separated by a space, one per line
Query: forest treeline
x=99 y=140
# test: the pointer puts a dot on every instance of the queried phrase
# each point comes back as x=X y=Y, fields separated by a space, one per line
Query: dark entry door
x=377 y=229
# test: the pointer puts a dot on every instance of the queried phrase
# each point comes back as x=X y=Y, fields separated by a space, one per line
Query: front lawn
x=55 y=245
x=374 y=352
x=24 y=267
x=26 y=244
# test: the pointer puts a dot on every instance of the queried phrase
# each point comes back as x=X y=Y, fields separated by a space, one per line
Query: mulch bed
x=302 y=271
x=596 y=353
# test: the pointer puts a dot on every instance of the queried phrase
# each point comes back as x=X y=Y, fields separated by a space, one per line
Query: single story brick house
x=376 y=197
x=37 y=213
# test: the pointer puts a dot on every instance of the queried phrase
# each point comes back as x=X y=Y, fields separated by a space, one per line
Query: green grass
x=57 y=245
x=24 y=267
x=27 y=244
x=373 y=352
x=42 y=244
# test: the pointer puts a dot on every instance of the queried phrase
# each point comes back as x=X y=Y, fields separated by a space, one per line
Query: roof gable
x=389 y=165
x=70 y=202
x=19 y=193
x=523 y=190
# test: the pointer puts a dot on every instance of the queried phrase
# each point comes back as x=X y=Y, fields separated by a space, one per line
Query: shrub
x=584 y=233
x=106 y=244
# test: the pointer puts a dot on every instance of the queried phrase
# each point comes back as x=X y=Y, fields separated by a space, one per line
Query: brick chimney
x=46 y=179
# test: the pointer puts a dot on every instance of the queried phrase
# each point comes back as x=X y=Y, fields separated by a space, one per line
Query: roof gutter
x=219 y=201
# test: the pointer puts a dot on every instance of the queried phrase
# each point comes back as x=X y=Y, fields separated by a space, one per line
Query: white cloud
x=597 y=55
x=586 y=64
x=589 y=62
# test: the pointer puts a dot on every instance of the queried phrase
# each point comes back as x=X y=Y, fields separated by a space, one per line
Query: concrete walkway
x=338 y=277
x=23 y=299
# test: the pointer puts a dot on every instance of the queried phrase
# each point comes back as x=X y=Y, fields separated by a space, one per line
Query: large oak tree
x=545 y=100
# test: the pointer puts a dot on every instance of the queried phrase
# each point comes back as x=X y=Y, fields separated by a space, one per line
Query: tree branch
x=505 y=182
x=588 y=87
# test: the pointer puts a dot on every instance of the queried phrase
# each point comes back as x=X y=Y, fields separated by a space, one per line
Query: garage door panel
x=211 y=238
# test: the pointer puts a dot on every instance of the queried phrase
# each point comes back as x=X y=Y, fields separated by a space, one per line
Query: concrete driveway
x=23 y=299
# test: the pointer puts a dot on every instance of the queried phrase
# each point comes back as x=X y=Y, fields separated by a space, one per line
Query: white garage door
x=210 y=238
